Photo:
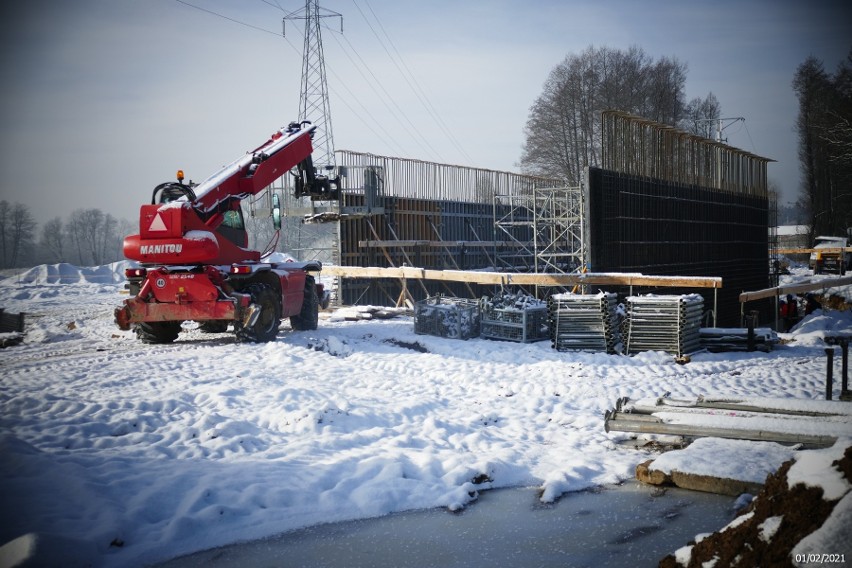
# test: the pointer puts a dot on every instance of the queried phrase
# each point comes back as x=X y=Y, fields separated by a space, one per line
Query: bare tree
x=564 y=128
x=75 y=229
x=17 y=229
x=106 y=240
x=93 y=220
x=95 y=237
x=53 y=240
x=23 y=234
x=122 y=230
x=700 y=116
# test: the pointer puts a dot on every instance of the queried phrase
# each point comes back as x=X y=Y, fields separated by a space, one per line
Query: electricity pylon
x=313 y=99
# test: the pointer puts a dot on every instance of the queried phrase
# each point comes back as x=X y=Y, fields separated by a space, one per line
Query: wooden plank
x=509 y=278
x=420 y=243
x=836 y=250
x=795 y=289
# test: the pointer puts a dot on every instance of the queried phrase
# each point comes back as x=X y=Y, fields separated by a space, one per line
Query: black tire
x=266 y=327
x=157 y=332
x=308 y=318
x=213 y=326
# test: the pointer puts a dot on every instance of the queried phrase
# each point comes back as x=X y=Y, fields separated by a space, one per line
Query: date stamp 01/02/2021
x=820 y=558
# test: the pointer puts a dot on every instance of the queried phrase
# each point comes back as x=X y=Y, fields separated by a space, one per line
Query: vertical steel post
x=750 y=321
x=715 y=305
x=829 y=371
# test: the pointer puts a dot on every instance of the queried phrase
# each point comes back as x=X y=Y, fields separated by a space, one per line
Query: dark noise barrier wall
x=660 y=227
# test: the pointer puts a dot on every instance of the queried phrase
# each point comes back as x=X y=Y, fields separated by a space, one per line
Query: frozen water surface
x=631 y=525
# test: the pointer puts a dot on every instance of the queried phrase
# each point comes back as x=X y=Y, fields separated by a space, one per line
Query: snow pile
x=147 y=452
x=703 y=455
x=64 y=273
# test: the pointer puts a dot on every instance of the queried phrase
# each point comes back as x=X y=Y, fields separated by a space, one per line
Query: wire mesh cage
x=454 y=318
x=514 y=317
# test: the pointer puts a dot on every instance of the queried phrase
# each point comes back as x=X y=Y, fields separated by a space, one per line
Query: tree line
x=87 y=237
x=824 y=128
x=91 y=237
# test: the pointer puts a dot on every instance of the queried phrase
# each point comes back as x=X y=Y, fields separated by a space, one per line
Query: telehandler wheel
x=308 y=318
x=266 y=327
x=157 y=332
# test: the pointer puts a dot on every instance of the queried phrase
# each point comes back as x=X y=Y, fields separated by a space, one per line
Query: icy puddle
x=631 y=526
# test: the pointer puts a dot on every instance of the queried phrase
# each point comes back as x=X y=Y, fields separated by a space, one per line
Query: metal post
x=715 y=305
x=751 y=322
x=777 y=308
x=829 y=371
x=750 y=338
x=844 y=384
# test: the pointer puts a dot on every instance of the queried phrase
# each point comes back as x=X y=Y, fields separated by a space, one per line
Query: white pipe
x=614 y=423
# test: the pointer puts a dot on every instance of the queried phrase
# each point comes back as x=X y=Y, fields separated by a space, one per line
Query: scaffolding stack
x=663 y=323
x=583 y=322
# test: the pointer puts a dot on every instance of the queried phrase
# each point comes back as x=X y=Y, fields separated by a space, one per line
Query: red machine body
x=194 y=260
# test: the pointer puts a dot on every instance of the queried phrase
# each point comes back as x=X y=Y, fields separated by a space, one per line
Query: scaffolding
x=546 y=226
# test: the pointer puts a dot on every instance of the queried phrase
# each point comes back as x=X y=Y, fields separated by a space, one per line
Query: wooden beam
x=417 y=243
x=529 y=279
x=835 y=250
x=794 y=289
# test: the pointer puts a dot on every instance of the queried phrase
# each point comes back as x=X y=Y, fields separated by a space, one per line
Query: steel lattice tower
x=313 y=99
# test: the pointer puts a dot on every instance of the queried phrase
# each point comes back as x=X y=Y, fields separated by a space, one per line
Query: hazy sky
x=103 y=99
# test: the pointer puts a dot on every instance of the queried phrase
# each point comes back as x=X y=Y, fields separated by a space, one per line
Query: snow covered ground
x=133 y=454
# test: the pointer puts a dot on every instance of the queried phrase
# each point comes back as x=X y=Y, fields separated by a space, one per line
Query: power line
x=753 y=147
x=185 y=3
x=415 y=132
x=418 y=91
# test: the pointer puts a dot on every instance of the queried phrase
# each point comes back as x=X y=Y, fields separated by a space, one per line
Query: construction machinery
x=830 y=254
x=193 y=260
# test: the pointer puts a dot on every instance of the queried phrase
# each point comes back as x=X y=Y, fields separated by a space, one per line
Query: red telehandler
x=194 y=263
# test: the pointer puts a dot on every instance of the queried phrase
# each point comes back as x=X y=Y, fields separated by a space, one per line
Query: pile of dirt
x=803 y=510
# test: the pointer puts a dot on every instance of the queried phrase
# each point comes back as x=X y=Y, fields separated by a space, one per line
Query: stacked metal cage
x=584 y=322
x=514 y=317
x=455 y=318
x=663 y=323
